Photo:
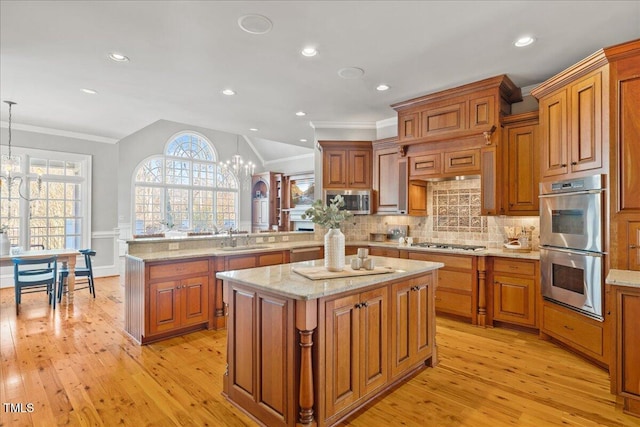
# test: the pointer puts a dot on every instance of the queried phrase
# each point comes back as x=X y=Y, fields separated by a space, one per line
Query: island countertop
x=284 y=281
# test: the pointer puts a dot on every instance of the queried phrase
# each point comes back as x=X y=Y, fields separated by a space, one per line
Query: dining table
x=67 y=256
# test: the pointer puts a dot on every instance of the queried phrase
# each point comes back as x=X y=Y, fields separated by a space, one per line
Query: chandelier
x=243 y=170
x=9 y=167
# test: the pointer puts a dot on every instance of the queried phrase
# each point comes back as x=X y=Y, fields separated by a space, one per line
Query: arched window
x=184 y=189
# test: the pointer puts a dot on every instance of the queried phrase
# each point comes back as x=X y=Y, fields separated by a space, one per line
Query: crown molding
x=58 y=132
x=391 y=121
x=286 y=159
x=343 y=125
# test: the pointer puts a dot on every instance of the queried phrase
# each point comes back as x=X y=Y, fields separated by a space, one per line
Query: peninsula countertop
x=284 y=281
x=624 y=278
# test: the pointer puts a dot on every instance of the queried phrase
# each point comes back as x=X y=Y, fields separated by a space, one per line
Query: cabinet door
x=523 y=170
x=425 y=165
x=408 y=127
x=264 y=212
x=514 y=300
x=359 y=168
x=481 y=113
x=445 y=119
x=462 y=162
x=255 y=212
x=373 y=340
x=423 y=330
x=628 y=339
x=334 y=168
x=417 y=198
x=586 y=124
x=490 y=178
x=164 y=309
x=634 y=245
x=342 y=324
x=385 y=179
x=628 y=135
x=553 y=127
x=194 y=300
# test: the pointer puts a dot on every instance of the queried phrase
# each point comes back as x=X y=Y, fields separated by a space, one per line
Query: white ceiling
x=184 y=53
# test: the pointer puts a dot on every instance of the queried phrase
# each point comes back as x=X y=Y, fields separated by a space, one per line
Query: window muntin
x=185 y=189
x=57 y=215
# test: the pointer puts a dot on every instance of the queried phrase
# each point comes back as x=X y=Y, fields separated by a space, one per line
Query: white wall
x=103 y=192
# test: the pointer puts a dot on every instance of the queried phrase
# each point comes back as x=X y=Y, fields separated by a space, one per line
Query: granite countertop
x=282 y=280
x=279 y=246
x=624 y=278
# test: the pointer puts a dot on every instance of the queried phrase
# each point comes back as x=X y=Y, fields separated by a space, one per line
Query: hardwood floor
x=77 y=367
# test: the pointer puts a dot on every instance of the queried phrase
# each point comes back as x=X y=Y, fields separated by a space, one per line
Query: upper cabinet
x=346 y=164
x=456 y=113
x=571 y=120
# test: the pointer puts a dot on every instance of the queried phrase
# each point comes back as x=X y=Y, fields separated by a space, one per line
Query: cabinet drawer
x=239 y=263
x=428 y=164
x=516 y=267
x=462 y=161
x=453 y=302
x=461 y=262
x=392 y=253
x=270 y=259
x=573 y=328
x=306 y=254
x=455 y=280
x=178 y=269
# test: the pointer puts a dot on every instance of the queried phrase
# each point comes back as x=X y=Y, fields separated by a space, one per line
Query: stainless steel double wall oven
x=572 y=243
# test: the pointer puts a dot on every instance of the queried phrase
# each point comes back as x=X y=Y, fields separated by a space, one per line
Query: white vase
x=334 y=250
x=5 y=244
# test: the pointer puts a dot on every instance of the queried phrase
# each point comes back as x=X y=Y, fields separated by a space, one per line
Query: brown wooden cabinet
x=626 y=366
x=625 y=155
x=417 y=198
x=572 y=120
x=306 y=254
x=346 y=164
x=266 y=198
x=522 y=165
x=426 y=166
x=412 y=336
x=178 y=297
x=382 y=251
x=408 y=126
x=575 y=330
x=356 y=347
x=457 y=288
x=386 y=175
x=515 y=291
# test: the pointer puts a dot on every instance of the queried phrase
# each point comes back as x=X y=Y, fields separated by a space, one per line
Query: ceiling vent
x=255 y=24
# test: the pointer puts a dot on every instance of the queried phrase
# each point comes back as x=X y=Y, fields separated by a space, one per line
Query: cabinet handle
x=564 y=165
x=574 y=163
x=364 y=304
x=358 y=305
x=632 y=246
x=568 y=327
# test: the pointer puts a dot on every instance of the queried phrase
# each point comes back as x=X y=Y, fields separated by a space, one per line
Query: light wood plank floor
x=77 y=367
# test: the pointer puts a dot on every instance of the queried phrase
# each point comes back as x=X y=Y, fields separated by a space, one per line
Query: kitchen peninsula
x=315 y=351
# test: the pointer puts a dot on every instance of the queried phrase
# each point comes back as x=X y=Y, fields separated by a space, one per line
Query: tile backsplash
x=453 y=217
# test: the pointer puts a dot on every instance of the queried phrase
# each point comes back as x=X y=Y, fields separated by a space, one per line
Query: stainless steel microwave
x=358 y=202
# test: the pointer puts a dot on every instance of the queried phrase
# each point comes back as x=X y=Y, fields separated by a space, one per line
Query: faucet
x=247 y=239
x=232 y=240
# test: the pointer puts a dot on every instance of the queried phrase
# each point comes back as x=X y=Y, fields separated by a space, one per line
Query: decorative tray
x=319 y=273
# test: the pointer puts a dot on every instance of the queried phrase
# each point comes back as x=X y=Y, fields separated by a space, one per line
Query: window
x=184 y=189
x=57 y=214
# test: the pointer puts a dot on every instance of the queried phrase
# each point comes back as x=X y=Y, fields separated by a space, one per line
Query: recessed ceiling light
x=255 y=24
x=309 y=51
x=228 y=92
x=301 y=113
x=382 y=87
x=118 y=57
x=351 y=72
x=253 y=129
x=89 y=91
x=524 y=41
x=303 y=140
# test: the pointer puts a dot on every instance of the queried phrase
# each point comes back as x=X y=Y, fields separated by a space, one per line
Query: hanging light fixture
x=9 y=167
x=243 y=170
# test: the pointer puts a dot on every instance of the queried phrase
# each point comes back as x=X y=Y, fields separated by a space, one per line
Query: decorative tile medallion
x=458 y=210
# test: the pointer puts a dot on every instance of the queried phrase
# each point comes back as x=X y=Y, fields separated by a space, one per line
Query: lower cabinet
x=575 y=330
x=515 y=291
x=388 y=252
x=178 y=298
x=356 y=347
x=626 y=366
x=457 y=288
x=413 y=332
x=306 y=254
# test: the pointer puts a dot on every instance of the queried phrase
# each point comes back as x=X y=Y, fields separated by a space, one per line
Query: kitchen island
x=303 y=352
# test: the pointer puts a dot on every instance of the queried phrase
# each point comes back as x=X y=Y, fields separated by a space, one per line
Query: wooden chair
x=81 y=272
x=35 y=275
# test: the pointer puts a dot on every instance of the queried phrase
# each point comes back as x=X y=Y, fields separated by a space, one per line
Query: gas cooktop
x=450 y=246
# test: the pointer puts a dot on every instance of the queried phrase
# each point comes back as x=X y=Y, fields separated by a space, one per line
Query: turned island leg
x=306 y=322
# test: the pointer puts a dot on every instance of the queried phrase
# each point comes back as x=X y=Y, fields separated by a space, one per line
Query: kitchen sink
x=244 y=248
